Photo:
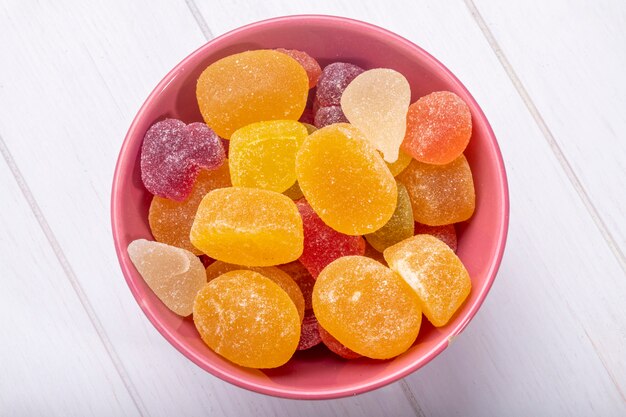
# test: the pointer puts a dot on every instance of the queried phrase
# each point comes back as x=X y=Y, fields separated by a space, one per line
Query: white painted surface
x=551 y=337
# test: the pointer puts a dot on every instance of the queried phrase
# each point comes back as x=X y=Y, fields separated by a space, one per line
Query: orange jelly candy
x=440 y=194
x=170 y=221
x=280 y=277
x=345 y=180
x=248 y=226
x=367 y=307
x=248 y=319
x=436 y=274
x=439 y=127
x=250 y=87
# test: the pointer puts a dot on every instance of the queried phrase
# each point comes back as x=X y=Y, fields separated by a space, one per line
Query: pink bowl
x=316 y=374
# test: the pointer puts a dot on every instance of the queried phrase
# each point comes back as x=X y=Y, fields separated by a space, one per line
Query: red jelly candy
x=445 y=233
x=333 y=80
x=329 y=115
x=322 y=244
x=309 y=64
x=335 y=345
x=173 y=154
x=307 y=117
x=303 y=278
x=309 y=333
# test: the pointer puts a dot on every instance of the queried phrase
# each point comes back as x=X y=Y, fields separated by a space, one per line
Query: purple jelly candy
x=328 y=115
x=333 y=80
x=172 y=155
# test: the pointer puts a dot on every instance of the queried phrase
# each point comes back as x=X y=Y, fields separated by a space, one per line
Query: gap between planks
x=547 y=134
x=208 y=34
x=71 y=276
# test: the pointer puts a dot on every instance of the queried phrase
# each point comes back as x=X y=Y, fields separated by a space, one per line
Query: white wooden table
x=551 y=336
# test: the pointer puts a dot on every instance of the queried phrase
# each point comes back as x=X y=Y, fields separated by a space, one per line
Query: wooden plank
x=551 y=334
x=53 y=362
x=569 y=59
x=78 y=75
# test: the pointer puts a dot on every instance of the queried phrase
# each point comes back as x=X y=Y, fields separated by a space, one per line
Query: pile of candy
x=341 y=233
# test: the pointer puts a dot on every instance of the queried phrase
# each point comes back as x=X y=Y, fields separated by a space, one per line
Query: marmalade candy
x=250 y=87
x=336 y=168
x=247 y=319
x=398 y=228
x=174 y=275
x=436 y=274
x=248 y=226
x=367 y=307
x=263 y=154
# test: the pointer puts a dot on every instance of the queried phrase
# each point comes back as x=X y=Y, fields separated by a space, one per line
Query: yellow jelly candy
x=248 y=226
x=367 y=307
x=376 y=102
x=440 y=194
x=174 y=275
x=251 y=87
x=400 y=165
x=345 y=180
x=248 y=319
x=263 y=154
x=280 y=277
x=398 y=228
x=434 y=271
x=170 y=221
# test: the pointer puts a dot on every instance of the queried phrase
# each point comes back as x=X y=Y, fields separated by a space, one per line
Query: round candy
x=333 y=81
x=439 y=127
x=170 y=221
x=436 y=274
x=367 y=307
x=172 y=155
x=280 y=277
x=309 y=64
x=263 y=155
x=336 y=169
x=248 y=319
x=376 y=102
x=440 y=194
x=398 y=228
x=250 y=87
x=248 y=226
x=173 y=274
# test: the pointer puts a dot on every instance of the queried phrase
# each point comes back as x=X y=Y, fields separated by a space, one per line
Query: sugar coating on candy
x=173 y=274
x=398 y=228
x=445 y=233
x=248 y=226
x=263 y=155
x=322 y=244
x=333 y=81
x=367 y=307
x=280 y=277
x=248 y=319
x=376 y=102
x=294 y=192
x=440 y=194
x=173 y=153
x=335 y=345
x=436 y=274
x=400 y=165
x=325 y=116
x=345 y=180
x=309 y=333
x=303 y=278
x=439 y=127
x=250 y=87
x=170 y=221
x=310 y=65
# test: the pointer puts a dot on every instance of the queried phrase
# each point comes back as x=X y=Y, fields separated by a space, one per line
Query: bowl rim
x=353 y=389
